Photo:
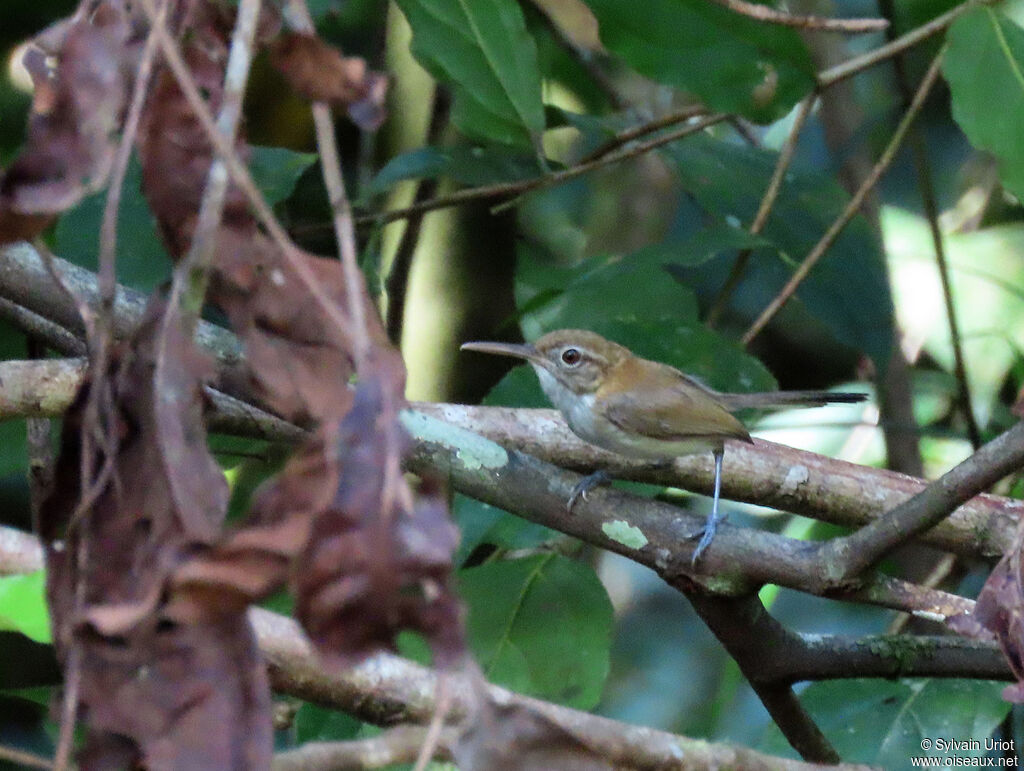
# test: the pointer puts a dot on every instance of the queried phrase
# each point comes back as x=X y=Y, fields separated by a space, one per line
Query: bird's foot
x=706 y=535
x=585 y=485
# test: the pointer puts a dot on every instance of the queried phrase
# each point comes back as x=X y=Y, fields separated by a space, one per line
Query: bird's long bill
x=519 y=351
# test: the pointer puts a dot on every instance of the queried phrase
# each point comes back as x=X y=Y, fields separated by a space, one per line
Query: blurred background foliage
x=498 y=91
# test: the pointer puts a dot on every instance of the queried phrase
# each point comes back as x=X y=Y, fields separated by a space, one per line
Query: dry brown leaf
x=319 y=73
x=72 y=130
x=1000 y=609
x=153 y=690
x=377 y=562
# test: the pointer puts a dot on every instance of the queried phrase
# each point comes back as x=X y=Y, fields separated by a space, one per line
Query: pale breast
x=579 y=413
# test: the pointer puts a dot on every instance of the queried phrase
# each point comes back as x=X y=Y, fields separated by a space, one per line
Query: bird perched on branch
x=641 y=408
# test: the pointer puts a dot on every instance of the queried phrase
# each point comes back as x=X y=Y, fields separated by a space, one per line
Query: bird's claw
x=585 y=485
x=706 y=535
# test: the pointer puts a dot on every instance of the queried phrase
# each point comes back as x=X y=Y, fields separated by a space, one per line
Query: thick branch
x=865 y=548
x=764 y=473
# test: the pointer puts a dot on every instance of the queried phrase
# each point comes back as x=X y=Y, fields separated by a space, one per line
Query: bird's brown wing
x=675 y=407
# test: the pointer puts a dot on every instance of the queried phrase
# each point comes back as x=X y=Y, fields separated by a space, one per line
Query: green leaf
x=541 y=626
x=480 y=523
x=985 y=70
x=483 y=50
x=468 y=165
x=733 y=63
x=319 y=724
x=142 y=261
x=23 y=606
x=848 y=290
x=277 y=169
x=884 y=723
x=707 y=243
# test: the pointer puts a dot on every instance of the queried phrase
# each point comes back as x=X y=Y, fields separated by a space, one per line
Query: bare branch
x=860 y=63
x=861 y=550
x=770 y=15
x=512 y=189
x=400 y=744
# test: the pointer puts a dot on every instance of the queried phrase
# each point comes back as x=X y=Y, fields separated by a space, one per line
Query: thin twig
x=40 y=450
x=649 y=127
x=770 y=15
x=852 y=207
x=858 y=64
x=191 y=277
x=344 y=233
x=825 y=79
x=26 y=759
x=69 y=706
x=510 y=189
x=771 y=194
x=586 y=58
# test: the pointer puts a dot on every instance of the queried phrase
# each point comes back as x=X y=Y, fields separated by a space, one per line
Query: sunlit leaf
x=985 y=70
x=23 y=606
x=482 y=49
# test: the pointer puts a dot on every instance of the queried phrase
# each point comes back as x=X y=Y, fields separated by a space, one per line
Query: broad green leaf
x=985 y=70
x=483 y=50
x=277 y=169
x=885 y=723
x=733 y=63
x=541 y=626
x=23 y=606
x=142 y=261
x=702 y=246
x=314 y=723
x=468 y=165
x=481 y=523
x=848 y=290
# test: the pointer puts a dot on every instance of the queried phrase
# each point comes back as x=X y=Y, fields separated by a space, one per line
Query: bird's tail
x=789 y=399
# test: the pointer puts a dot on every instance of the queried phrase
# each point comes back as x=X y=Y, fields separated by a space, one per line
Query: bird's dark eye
x=572 y=356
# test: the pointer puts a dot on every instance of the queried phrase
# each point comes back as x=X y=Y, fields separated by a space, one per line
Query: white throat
x=577 y=410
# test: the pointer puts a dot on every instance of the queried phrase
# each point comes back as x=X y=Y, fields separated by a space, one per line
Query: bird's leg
x=707 y=534
x=585 y=485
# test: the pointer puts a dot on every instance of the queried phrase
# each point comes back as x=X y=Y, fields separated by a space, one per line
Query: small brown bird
x=641 y=408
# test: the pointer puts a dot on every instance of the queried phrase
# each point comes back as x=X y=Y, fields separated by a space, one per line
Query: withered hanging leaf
x=155 y=689
x=319 y=73
x=1000 y=608
x=376 y=562
x=300 y=359
x=72 y=130
x=174 y=149
x=371 y=561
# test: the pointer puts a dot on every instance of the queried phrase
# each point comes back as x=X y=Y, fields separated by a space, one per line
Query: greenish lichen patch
x=472 y=450
x=622 y=532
